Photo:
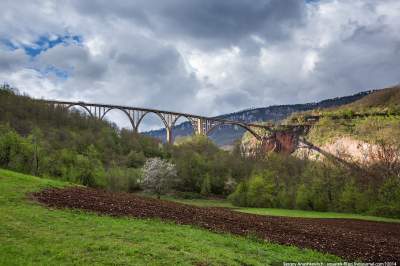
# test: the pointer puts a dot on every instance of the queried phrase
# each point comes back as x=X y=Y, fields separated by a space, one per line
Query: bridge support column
x=169 y=121
x=199 y=127
x=170 y=137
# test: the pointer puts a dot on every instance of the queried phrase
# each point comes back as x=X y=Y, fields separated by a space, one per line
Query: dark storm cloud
x=229 y=21
x=159 y=61
x=208 y=22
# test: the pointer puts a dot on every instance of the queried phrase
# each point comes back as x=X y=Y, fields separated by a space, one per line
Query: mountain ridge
x=228 y=134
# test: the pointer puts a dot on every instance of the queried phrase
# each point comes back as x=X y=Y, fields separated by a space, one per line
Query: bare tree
x=385 y=160
x=158 y=176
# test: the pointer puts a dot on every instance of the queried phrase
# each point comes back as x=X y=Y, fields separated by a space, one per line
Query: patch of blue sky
x=58 y=72
x=49 y=41
x=7 y=44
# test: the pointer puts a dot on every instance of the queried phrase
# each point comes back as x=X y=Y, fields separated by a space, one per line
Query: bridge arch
x=83 y=106
x=247 y=128
x=193 y=122
x=151 y=112
x=168 y=130
x=123 y=111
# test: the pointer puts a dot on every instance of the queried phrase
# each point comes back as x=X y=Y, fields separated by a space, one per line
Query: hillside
x=364 y=131
x=373 y=118
x=381 y=98
x=50 y=141
x=227 y=135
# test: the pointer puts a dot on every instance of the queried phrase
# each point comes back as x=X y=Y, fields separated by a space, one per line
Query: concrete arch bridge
x=284 y=139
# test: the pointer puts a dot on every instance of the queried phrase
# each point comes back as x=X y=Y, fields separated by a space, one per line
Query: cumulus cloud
x=207 y=57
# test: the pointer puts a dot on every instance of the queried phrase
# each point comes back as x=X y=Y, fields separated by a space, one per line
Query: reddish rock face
x=282 y=142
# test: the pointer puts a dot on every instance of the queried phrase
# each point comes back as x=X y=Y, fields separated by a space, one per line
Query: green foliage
x=304 y=198
x=203 y=168
x=239 y=196
x=206 y=186
x=16 y=152
x=317 y=186
x=123 y=179
x=389 y=199
x=135 y=159
x=51 y=141
x=260 y=191
x=352 y=199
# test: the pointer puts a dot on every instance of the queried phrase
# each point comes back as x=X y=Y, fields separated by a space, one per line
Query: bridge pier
x=170 y=137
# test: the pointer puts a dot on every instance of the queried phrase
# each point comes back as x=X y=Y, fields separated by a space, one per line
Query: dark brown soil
x=349 y=239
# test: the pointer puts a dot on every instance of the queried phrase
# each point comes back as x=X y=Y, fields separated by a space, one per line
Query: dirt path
x=350 y=239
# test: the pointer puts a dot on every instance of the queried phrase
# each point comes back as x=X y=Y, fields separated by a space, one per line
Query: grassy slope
x=282 y=212
x=368 y=129
x=380 y=98
x=32 y=234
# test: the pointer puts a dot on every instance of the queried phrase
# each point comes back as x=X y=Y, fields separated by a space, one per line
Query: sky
x=204 y=57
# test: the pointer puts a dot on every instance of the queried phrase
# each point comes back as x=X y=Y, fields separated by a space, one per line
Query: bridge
x=201 y=125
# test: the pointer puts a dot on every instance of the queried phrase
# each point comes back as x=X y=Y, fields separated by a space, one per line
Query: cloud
x=12 y=60
x=205 y=57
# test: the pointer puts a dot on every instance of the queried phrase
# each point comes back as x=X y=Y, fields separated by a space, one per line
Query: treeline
x=287 y=182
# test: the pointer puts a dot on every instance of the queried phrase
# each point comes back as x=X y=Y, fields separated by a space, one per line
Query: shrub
x=385 y=211
x=304 y=198
x=351 y=199
x=135 y=159
x=16 y=152
x=123 y=179
x=88 y=171
x=260 y=192
x=239 y=196
x=206 y=186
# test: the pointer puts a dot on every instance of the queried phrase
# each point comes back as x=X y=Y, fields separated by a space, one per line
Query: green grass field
x=281 y=212
x=34 y=235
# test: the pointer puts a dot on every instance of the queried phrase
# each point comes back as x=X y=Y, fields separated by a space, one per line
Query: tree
x=159 y=176
x=206 y=185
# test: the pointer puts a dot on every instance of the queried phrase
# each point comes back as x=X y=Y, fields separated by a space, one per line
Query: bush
x=351 y=199
x=88 y=172
x=385 y=211
x=239 y=196
x=135 y=159
x=123 y=179
x=16 y=153
x=206 y=186
x=260 y=192
x=389 y=193
x=304 y=198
